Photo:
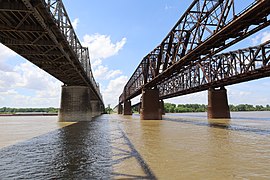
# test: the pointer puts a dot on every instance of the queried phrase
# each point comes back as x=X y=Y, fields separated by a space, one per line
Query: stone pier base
x=75 y=104
x=150 y=105
x=218 y=103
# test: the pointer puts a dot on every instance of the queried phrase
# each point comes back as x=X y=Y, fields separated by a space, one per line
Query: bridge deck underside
x=29 y=29
x=220 y=70
x=177 y=71
x=22 y=32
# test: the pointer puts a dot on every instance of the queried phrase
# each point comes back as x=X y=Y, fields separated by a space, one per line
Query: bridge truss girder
x=41 y=31
x=205 y=29
x=219 y=70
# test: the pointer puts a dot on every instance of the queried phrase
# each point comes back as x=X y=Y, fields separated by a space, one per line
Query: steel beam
x=219 y=70
x=205 y=29
x=42 y=32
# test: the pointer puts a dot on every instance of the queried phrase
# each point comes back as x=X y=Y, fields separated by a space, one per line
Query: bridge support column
x=127 y=108
x=120 y=109
x=161 y=104
x=75 y=104
x=96 y=108
x=150 y=105
x=218 y=103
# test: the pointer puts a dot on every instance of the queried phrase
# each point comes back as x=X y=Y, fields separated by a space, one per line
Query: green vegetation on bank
x=169 y=108
x=248 y=107
x=7 y=110
x=108 y=110
x=181 y=108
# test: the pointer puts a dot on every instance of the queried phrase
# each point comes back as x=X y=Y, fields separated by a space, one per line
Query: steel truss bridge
x=41 y=32
x=187 y=60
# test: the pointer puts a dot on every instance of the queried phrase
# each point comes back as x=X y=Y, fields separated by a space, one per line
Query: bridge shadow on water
x=83 y=150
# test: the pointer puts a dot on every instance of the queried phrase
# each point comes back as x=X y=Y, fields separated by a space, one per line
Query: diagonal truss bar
x=41 y=31
x=58 y=11
x=219 y=70
x=206 y=28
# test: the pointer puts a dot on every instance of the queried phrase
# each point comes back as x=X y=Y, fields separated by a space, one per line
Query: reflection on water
x=81 y=150
x=14 y=129
x=181 y=146
x=220 y=123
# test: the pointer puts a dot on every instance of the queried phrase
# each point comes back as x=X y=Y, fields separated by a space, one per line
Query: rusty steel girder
x=219 y=70
x=206 y=28
x=41 y=31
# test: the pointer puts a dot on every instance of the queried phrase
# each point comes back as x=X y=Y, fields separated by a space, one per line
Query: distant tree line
x=169 y=108
x=173 y=108
x=248 y=107
x=7 y=110
x=181 y=108
x=108 y=110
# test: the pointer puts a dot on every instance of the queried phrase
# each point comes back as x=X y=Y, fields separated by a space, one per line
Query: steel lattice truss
x=219 y=70
x=41 y=31
x=206 y=28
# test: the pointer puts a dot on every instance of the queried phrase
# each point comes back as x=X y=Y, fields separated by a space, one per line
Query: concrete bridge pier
x=75 y=104
x=120 y=109
x=161 y=105
x=96 y=108
x=150 y=105
x=127 y=108
x=218 y=103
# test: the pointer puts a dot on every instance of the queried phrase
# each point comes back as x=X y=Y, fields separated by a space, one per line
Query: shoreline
x=31 y=114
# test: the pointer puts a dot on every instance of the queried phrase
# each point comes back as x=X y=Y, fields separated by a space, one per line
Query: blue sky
x=119 y=34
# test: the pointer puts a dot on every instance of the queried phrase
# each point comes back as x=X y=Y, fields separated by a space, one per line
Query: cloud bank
x=25 y=85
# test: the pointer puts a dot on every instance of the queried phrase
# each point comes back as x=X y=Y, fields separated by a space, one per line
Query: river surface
x=181 y=146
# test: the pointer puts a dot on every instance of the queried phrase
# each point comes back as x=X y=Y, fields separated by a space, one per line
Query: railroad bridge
x=41 y=32
x=188 y=59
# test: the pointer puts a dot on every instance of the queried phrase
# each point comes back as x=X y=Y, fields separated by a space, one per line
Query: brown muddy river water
x=181 y=146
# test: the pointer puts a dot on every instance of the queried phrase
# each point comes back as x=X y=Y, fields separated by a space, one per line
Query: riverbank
x=31 y=114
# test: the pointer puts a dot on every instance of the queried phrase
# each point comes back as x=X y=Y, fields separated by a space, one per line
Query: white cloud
x=25 y=85
x=266 y=37
x=261 y=38
x=17 y=99
x=28 y=86
x=113 y=73
x=253 y=92
x=96 y=63
x=195 y=98
x=113 y=90
x=101 y=46
x=75 y=23
x=102 y=72
x=34 y=78
x=5 y=53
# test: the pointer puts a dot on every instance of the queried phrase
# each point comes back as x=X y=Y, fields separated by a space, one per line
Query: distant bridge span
x=41 y=32
x=186 y=61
